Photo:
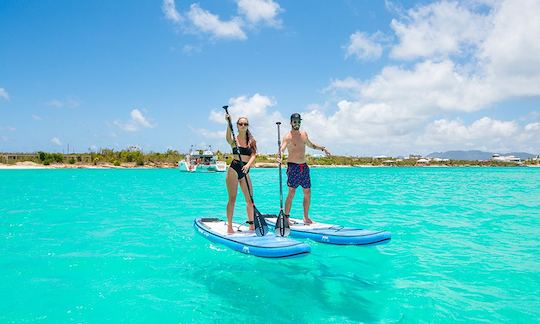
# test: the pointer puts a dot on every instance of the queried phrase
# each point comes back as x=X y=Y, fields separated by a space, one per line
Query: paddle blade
x=261 y=229
x=282 y=225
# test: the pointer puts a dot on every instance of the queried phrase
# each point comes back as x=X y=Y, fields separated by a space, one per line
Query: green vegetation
x=109 y=156
x=369 y=161
x=48 y=158
x=134 y=157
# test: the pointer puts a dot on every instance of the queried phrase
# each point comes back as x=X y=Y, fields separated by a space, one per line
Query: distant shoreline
x=260 y=165
x=33 y=165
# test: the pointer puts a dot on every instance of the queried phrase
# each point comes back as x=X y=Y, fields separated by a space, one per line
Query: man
x=295 y=142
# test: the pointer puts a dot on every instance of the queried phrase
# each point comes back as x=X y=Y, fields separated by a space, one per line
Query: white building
x=439 y=160
x=422 y=162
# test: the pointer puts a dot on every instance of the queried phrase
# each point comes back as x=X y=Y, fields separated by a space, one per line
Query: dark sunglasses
x=296 y=121
x=242 y=124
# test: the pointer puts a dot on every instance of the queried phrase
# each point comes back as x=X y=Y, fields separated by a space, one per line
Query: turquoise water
x=119 y=246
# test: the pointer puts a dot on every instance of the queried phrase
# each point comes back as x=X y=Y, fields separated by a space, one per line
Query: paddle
x=260 y=223
x=282 y=223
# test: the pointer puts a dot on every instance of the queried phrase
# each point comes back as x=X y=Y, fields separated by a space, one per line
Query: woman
x=238 y=170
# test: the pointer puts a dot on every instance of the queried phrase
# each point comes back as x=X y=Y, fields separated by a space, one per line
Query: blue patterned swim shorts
x=298 y=175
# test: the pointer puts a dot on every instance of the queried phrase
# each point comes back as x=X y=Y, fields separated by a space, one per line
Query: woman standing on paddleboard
x=238 y=172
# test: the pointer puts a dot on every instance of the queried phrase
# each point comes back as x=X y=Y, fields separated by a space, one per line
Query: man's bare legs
x=307 y=201
x=288 y=202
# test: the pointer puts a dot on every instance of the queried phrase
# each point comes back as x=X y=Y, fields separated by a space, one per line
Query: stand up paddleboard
x=246 y=241
x=333 y=234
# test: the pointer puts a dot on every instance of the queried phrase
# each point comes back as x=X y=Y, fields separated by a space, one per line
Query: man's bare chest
x=297 y=141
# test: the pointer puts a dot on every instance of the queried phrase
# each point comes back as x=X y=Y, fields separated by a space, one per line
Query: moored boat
x=201 y=161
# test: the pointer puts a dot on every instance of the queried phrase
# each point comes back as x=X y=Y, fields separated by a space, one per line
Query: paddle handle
x=280 y=180
x=238 y=151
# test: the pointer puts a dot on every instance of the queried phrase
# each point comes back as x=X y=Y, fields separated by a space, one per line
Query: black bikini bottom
x=237 y=166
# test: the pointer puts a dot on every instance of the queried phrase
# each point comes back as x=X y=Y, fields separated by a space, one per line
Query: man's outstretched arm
x=314 y=146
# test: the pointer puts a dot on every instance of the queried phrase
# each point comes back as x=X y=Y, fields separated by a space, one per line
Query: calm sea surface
x=119 y=246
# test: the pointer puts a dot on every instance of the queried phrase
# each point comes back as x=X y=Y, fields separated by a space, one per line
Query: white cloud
x=255 y=106
x=169 y=9
x=427 y=88
x=510 y=54
x=260 y=113
x=137 y=121
x=443 y=130
x=532 y=127
x=56 y=141
x=348 y=88
x=431 y=86
x=485 y=134
x=364 y=47
x=502 y=44
x=65 y=103
x=36 y=117
x=377 y=128
x=257 y=11
x=361 y=128
x=4 y=94
x=459 y=66
x=251 y=13
x=207 y=22
x=506 y=64
x=438 y=29
x=347 y=83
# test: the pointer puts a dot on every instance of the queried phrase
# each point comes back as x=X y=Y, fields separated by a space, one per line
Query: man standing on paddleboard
x=295 y=142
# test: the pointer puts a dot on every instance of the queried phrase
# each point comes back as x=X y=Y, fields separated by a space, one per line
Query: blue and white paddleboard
x=333 y=234
x=246 y=241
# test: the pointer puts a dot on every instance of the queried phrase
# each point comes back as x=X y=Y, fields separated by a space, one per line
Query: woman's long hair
x=250 y=140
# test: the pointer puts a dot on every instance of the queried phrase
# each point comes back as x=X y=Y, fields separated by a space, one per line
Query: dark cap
x=296 y=116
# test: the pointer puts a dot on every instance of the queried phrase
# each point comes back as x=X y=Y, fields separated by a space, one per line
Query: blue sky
x=369 y=77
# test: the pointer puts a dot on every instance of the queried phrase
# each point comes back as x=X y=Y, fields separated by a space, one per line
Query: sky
x=368 y=77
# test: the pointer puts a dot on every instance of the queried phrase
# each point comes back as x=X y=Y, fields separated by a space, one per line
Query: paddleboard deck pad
x=333 y=234
x=246 y=241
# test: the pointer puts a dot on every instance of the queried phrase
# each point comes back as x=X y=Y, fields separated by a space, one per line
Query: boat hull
x=218 y=167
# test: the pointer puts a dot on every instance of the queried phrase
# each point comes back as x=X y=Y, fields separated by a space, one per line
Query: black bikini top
x=243 y=150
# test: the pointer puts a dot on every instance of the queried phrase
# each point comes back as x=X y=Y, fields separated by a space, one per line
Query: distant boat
x=201 y=161
x=507 y=158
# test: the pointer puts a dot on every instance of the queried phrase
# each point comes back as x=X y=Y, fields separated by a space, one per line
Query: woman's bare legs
x=249 y=203
x=232 y=189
